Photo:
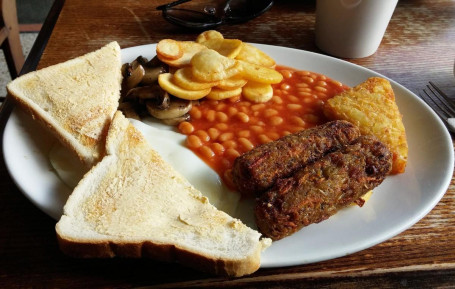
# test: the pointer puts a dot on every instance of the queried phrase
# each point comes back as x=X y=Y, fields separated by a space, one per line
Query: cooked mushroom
x=153 y=94
x=152 y=73
x=177 y=108
x=177 y=120
x=132 y=75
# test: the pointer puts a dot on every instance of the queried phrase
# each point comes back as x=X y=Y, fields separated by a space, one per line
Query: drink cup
x=352 y=28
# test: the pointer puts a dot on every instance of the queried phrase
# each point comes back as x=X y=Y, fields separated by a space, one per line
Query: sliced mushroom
x=152 y=73
x=177 y=120
x=177 y=108
x=133 y=76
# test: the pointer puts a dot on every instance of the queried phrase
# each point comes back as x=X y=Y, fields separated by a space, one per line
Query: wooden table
x=419 y=46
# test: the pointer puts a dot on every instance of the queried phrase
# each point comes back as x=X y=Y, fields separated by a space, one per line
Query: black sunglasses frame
x=212 y=20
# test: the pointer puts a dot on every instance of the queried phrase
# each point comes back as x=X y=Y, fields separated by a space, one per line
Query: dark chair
x=9 y=37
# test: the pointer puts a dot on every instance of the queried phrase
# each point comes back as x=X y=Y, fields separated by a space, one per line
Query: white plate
x=398 y=203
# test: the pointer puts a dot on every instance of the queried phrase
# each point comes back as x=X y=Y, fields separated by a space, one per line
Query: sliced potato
x=252 y=54
x=165 y=81
x=219 y=94
x=259 y=73
x=209 y=34
x=232 y=83
x=169 y=49
x=183 y=77
x=226 y=47
x=257 y=92
x=189 y=48
x=208 y=65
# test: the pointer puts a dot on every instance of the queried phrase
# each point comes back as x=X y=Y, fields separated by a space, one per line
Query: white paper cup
x=352 y=28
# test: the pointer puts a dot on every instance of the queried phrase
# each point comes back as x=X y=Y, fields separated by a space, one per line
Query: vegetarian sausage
x=257 y=170
x=320 y=189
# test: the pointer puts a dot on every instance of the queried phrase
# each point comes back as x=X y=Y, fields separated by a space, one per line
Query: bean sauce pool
x=221 y=130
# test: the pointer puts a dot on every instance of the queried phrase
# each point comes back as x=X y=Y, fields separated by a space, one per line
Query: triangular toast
x=75 y=99
x=133 y=204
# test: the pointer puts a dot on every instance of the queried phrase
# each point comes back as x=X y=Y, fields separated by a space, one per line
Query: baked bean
x=259 y=106
x=285 y=86
x=305 y=89
x=213 y=133
x=270 y=112
x=186 y=127
x=244 y=133
x=308 y=79
x=275 y=120
x=210 y=115
x=193 y=141
x=302 y=85
x=321 y=83
x=195 y=113
x=243 y=117
x=203 y=135
x=221 y=126
x=303 y=73
x=264 y=139
x=234 y=99
x=293 y=98
x=294 y=106
x=320 y=88
x=297 y=120
x=246 y=143
x=231 y=111
x=229 y=144
x=231 y=153
x=273 y=135
x=305 y=93
x=220 y=106
x=218 y=148
x=286 y=73
x=221 y=116
x=226 y=136
x=276 y=99
x=207 y=152
x=256 y=129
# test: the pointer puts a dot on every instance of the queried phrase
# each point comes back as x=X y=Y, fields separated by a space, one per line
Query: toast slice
x=371 y=106
x=75 y=99
x=133 y=204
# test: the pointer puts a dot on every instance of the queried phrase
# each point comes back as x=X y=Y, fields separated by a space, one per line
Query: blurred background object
x=31 y=15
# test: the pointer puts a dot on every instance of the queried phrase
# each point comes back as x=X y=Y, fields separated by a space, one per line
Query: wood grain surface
x=419 y=46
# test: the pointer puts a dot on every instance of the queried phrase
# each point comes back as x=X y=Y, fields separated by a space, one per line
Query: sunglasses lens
x=247 y=9
x=190 y=18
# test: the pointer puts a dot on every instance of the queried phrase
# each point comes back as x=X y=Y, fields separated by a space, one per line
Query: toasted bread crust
x=161 y=252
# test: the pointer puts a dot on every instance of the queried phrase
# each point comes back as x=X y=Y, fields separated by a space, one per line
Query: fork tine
x=441 y=93
x=442 y=103
x=439 y=111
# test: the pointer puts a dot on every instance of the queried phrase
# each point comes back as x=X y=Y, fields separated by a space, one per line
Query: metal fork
x=441 y=104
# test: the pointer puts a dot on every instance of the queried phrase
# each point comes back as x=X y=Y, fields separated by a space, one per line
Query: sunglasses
x=209 y=14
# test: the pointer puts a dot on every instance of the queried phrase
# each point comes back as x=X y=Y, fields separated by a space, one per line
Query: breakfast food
x=133 y=204
x=259 y=169
x=75 y=100
x=212 y=60
x=320 y=189
x=371 y=106
x=218 y=131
